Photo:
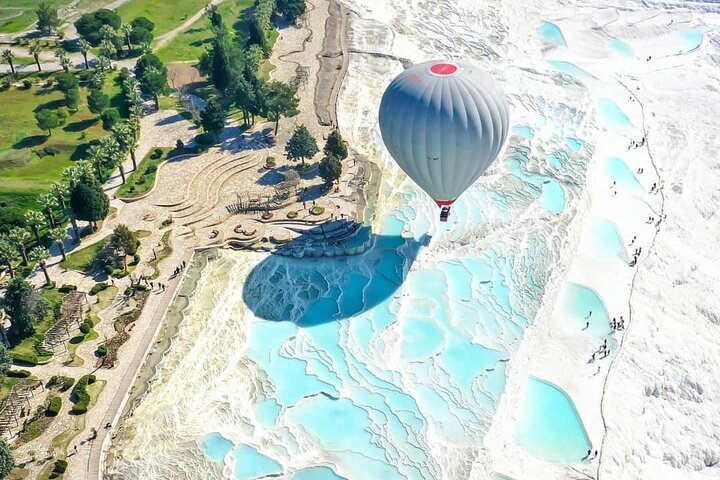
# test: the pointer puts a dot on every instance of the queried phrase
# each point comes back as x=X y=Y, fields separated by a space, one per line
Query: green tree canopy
x=110 y=117
x=89 y=26
x=89 y=202
x=144 y=23
x=9 y=57
x=213 y=118
x=47 y=18
x=141 y=36
x=97 y=101
x=291 y=9
x=301 y=145
x=152 y=75
x=125 y=242
x=72 y=99
x=24 y=307
x=335 y=146
x=48 y=119
x=280 y=100
x=67 y=81
x=330 y=169
x=5 y=361
x=7 y=462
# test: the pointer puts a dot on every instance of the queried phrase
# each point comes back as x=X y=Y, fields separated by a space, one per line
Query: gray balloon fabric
x=444 y=122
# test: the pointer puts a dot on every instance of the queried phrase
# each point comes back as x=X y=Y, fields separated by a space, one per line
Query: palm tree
x=50 y=203
x=63 y=59
x=9 y=56
x=95 y=155
x=35 y=220
x=113 y=154
x=35 y=50
x=40 y=256
x=60 y=190
x=126 y=138
x=19 y=237
x=107 y=49
x=59 y=235
x=126 y=29
x=104 y=62
x=7 y=254
x=85 y=47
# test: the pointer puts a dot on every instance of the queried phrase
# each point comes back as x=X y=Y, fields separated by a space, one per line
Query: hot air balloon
x=444 y=122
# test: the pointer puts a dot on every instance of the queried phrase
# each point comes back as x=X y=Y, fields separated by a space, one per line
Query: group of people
x=633 y=144
x=618 y=324
x=179 y=269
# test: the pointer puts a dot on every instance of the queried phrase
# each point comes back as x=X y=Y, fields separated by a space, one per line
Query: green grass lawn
x=83 y=259
x=166 y=15
x=19 y=15
x=25 y=349
x=189 y=45
x=141 y=181
x=23 y=174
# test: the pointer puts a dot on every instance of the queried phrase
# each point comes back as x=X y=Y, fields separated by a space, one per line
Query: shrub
x=62 y=382
x=99 y=287
x=18 y=373
x=270 y=162
x=23 y=358
x=79 y=393
x=60 y=467
x=136 y=258
x=140 y=181
x=166 y=222
x=85 y=328
x=51 y=151
x=108 y=269
x=54 y=407
x=156 y=153
x=102 y=350
x=151 y=169
x=317 y=210
x=179 y=145
x=26 y=84
x=292 y=214
x=204 y=139
x=65 y=288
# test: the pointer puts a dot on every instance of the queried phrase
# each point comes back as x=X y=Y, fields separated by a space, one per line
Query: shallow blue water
x=571 y=69
x=604 y=240
x=618 y=171
x=316 y=473
x=612 y=115
x=692 y=39
x=549 y=426
x=621 y=47
x=553 y=196
x=574 y=144
x=551 y=33
x=215 y=446
x=251 y=464
x=524 y=131
x=576 y=302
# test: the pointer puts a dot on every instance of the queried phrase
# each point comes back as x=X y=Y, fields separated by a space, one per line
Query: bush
x=166 y=222
x=26 y=84
x=204 y=139
x=99 y=287
x=179 y=145
x=270 y=162
x=60 y=467
x=23 y=358
x=156 y=153
x=102 y=350
x=292 y=214
x=317 y=210
x=62 y=382
x=151 y=169
x=18 y=373
x=51 y=151
x=66 y=288
x=136 y=258
x=108 y=269
x=85 y=328
x=79 y=393
x=54 y=407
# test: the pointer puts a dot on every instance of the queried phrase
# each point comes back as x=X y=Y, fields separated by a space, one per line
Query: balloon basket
x=444 y=214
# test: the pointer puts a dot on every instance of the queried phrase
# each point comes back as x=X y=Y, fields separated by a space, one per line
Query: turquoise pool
x=549 y=426
x=551 y=33
x=617 y=171
x=612 y=115
x=251 y=464
x=576 y=302
x=571 y=69
x=215 y=446
x=622 y=48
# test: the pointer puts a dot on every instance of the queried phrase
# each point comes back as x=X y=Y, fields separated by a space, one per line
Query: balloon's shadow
x=313 y=291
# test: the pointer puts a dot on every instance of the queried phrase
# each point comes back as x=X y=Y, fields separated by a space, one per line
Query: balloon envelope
x=444 y=122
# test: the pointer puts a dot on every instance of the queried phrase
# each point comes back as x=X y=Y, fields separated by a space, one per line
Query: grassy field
x=83 y=259
x=19 y=15
x=23 y=174
x=141 y=181
x=189 y=45
x=166 y=15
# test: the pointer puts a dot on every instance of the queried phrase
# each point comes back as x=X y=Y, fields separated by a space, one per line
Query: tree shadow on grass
x=80 y=125
x=81 y=151
x=200 y=43
x=52 y=105
x=312 y=291
x=30 y=141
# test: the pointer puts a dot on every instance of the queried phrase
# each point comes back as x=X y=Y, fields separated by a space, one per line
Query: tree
x=24 y=306
x=126 y=30
x=97 y=101
x=152 y=76
x=59 y=191
x=88 y=202
x=126 y=137
x=330 y=169
x=109 y=117
x=144 y=23
x=72 y=99
x=7 y=462
x=125 y=242
x=19 y=237
x=301 y=145
x=245 y=100
x=214 y=16
x=221 y=72
x=40 y=255
x=67 y=81
x=7 y=254
x=89 y=25
x=63 y=59
x=50 y=204
x=291 y=9
x=47 y=18
x=280 y=100
x=9 y=56
x=35 y=221
x=5 y=362
x=59 y=235
x=48 y=119
x=213 y=118
x=141 y=36
x=35 y=50
x=84 y=47
x=112 y=155
x=335 y=146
